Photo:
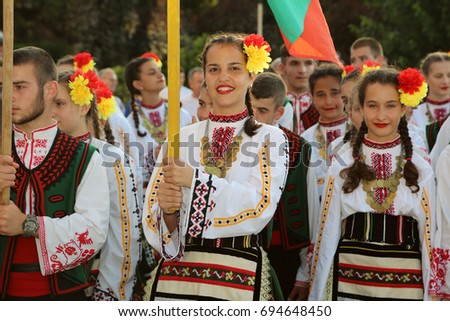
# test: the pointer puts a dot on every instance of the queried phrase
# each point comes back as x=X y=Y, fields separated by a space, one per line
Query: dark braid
x=132 y=73
x=251 y=126
x=410 y=172
x=109 y=136
x=350 y=134
x=359 y=169
x=92 y=114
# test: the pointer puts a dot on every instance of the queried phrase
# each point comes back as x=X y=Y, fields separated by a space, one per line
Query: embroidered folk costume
x=305 y=114
x=292 y=227
x=320 y=136
x=440 y=278
x=442 y=141
x=114 y=271
x=430 y=111
x=119 y=256
x=375 y=241
x=215 y=252
x=390 y=220
x=61 y=180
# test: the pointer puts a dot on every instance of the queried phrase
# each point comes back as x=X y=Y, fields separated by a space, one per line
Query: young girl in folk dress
x=436 y=70
x=378 y=205
x=226 y=185
x=148 y=116
x=325 y=86
x=77 y=109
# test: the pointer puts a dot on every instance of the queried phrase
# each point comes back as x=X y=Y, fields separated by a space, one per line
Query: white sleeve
x=440 y=276
x=72 y=240
x=121 y=253
x=327 y=238
x=216 y=208
x=304 y=270
x=442 y=141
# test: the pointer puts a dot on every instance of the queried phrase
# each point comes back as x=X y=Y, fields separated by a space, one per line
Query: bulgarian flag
x=304 y=29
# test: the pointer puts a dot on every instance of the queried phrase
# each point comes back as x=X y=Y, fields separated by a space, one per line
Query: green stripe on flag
x=290 y=16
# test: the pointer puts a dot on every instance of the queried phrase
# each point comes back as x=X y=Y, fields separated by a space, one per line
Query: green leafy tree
x=407 y=29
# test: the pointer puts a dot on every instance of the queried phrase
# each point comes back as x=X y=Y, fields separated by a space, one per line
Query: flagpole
x=173 y=69
x=8 y=46
x=259 y=24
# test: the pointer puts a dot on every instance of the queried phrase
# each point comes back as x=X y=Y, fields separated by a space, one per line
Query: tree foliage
x=407 y=29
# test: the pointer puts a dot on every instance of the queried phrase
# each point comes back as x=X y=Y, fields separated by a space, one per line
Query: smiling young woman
x=378 y=206
x=225 y=195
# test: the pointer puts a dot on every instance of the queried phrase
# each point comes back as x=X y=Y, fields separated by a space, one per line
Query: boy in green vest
x=57 y=218
x=290 y=233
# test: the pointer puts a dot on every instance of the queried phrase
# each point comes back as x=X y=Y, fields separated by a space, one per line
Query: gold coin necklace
x=219 y=166
x=391 y=184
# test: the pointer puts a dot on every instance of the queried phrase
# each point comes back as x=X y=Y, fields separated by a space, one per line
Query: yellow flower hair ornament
x=82 y=87
x=106 y=104
x=83 y=61
x=258 y=53
x=367 y=66
x=412 y=87
x=154 y=57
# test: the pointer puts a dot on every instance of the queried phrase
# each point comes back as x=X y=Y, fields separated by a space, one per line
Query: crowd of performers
x=297 y=181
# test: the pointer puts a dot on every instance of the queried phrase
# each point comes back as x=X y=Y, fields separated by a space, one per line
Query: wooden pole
x=173 y=68
x=259 y=23
x=8 y=46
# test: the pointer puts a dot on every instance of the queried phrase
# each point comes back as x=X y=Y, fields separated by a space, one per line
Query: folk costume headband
x=258 y=53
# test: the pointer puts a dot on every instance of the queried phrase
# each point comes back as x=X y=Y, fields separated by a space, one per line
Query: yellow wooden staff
x=173 y=69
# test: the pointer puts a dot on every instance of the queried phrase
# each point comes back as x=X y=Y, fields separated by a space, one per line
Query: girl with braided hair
x=204 y=211
x=82 y=112
x=149 y=111
x=378 y=205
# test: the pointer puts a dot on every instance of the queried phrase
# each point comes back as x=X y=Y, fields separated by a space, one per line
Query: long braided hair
x=359 y=170
x=251 y=126
x=132 y=73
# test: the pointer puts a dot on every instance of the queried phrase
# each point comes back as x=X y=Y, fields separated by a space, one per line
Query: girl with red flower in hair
x=435 y=68
x=204 y=211
x=378 y=204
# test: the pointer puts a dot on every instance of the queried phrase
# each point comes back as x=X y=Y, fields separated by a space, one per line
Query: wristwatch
x=30 y=226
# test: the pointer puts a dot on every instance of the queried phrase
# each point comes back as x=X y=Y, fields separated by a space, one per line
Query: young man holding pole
x=59 y=211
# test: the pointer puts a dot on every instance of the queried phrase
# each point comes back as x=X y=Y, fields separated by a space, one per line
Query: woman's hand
x=177 y=172
x=169 y=197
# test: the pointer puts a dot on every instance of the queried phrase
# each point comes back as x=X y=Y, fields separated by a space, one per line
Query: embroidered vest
x=55 y=184
x=432 y=131
x=292 y=211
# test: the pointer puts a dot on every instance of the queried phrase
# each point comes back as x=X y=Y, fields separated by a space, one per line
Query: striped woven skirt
x=212 y=273
x=378 y=263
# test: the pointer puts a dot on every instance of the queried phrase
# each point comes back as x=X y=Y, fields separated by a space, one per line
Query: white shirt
x=337 y=205
x=91 y=216
x=251 y=186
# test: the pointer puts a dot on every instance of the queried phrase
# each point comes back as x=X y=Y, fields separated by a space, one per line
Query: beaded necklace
x=391 y=184
x=219 y=166
x=158 y=133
